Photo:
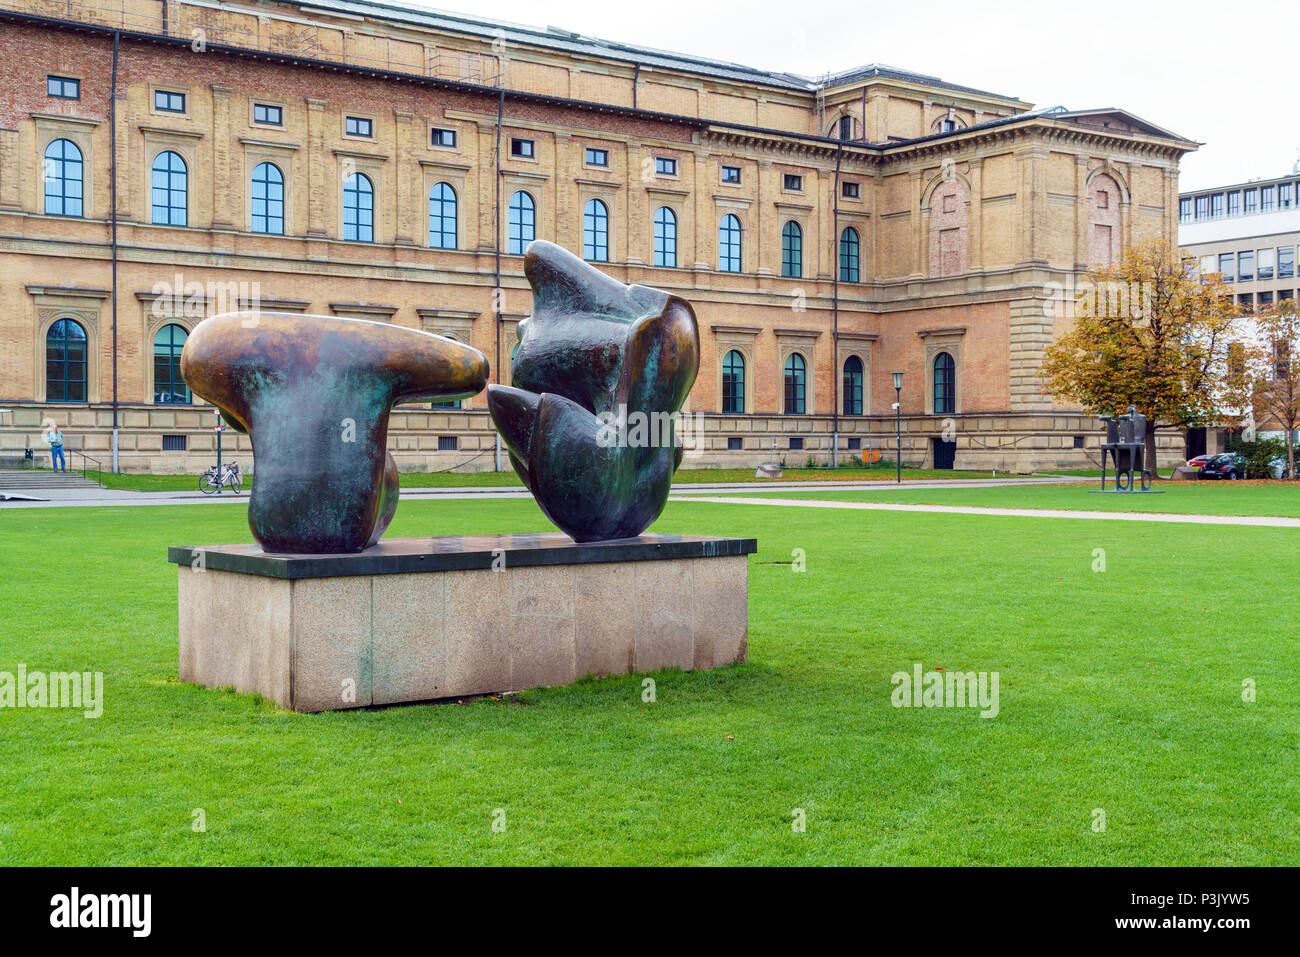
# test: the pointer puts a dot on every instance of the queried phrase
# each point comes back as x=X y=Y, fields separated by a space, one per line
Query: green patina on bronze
x=595 y=355
x=314 y=393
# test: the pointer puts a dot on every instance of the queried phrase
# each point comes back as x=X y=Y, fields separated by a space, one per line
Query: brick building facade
x=361 y=160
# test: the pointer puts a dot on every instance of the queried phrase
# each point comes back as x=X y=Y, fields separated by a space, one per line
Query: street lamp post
x=898 y=424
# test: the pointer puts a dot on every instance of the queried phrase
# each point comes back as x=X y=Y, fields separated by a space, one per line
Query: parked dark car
x=1225 y=466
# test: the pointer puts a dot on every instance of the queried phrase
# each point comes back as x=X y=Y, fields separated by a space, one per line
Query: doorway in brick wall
x=943 y=452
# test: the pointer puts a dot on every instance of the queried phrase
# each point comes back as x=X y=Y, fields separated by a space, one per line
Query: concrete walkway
x=60 y=497
x=1267 y=522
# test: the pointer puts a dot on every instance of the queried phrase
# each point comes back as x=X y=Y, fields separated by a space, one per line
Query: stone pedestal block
x=423 y=619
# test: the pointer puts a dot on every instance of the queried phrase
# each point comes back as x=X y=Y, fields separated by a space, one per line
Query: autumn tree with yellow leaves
x=1273 y=372
x=1149 y=332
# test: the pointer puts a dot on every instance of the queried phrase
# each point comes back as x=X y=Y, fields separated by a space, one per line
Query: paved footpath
x=58 y=498
x=1268 y=522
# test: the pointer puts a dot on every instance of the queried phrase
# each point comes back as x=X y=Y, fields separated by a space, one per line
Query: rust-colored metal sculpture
x=599 y=374
x=313 y=393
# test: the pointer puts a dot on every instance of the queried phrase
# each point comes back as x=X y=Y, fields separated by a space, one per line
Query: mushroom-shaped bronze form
x=313 y=393
x=600 y=372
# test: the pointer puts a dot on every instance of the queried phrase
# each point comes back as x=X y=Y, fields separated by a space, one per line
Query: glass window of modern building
x=1246 y=265
x=1252 y=201
x=1228 y=266
x=1234 y=203
x=1264 y=264
x=1285 y=262
x=1216 y=206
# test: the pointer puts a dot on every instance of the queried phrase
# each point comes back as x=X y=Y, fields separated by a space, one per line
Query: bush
x=1258 y=455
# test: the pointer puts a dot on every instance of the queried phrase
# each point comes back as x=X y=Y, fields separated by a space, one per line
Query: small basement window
x=855 y=445
x=174 y=443
x=796 y=443
x=734 y=443
x=448 y=443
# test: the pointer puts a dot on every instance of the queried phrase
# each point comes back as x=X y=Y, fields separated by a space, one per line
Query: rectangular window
x=731 y=174
x=734 y=443
x=1246 y=299
x=1286 y=195
x=1207 y=265
x=269 y=115
x=173 y=443
x=1265 y=263
x=846 y=128
x=1078 y=441
x=1227 y=266
x=1286 y=294
x=1216 y=206
x=442 y=137
x=796 y=443
x=64 y=87
x=792 y=182
x=447 y=443
x=1202 y=207
x=1234 y=204
x=665 y=166
x=850 y=190
x=597 y=157
x=1266 y=299
x=1252 y=201
x=1185 y=210
x=522 y=148
x=1285 y=262
x=168 y=101
x=855 y=445
x=358 y=126
x=1267 y=198
x=1246 y=265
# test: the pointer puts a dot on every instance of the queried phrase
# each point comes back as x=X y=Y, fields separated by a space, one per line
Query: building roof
x=571 y=41
x=1268 y=181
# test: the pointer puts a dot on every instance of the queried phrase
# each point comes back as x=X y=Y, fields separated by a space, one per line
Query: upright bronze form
x=600 y=371
x=313 y=393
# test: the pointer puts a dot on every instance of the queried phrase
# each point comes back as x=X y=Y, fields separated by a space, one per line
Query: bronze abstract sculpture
x=313 y=393
x=600 y=372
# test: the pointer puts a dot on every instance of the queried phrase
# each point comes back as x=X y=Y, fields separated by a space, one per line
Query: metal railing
x=85 y=465
x=203 y=24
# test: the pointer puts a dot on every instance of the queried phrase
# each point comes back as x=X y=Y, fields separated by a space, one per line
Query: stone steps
x=43 y=479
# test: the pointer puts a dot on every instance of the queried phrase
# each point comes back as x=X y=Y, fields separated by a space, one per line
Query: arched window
x=733 y=383
x=852 y=386
x=522 y=223
x=796 y=375
x=64 y=179
x=945 y=384
x=358 y=208
x=168 y=386
x=665 y=237
x=595 y=232
x=442 y=217
x=729 y=239
x=849 y=246
x=791 y=250
x=268 y=200
x=170 y=190
x=65 y=362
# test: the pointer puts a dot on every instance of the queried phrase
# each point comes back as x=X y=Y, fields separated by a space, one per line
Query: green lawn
x=1219 y=498
x=185 y=482
x=1136 y=711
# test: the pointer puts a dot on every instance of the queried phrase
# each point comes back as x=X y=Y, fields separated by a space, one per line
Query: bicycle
x=213 y=481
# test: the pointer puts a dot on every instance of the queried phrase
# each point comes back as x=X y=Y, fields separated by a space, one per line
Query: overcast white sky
x=1221 y=75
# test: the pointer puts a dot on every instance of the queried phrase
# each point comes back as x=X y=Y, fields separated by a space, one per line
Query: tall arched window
x=729 y=239
x=852 y=386
x=170 y=190
x=168 y=386
x=442 y=216
x=267 y=199
x=791 y=250
x=522 y=223
x=945 y=384
x=64 y=179
x=595 y=232
x=65 y=362
x=849 y=249
x=733 y=382
x=358 y=208
x=796 y=376
x=665 y=237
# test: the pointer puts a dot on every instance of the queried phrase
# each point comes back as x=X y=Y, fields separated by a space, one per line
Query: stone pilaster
x=320 y=177
x=1030 y=333
x=706 y=229
x=407 y=193
x=224 y=213
x=9 y=169
x=760 y=223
